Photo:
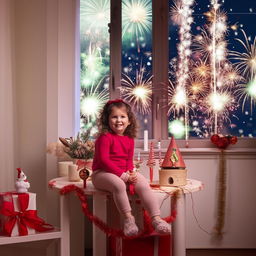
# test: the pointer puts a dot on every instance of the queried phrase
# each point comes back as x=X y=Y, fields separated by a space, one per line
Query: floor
x=221 y=252
x=210 y=252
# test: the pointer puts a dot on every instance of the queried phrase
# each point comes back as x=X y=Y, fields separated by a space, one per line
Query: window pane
x=137 y=59
x=95 y=59
x=212 y=69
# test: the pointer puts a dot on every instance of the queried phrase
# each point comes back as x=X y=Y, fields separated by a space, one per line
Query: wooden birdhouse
x=173 y=170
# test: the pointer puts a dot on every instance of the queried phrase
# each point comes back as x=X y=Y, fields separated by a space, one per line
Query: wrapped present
x=18 y=215
x=148 y=245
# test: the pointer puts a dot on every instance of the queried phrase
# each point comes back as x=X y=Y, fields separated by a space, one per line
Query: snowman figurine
x=22 y=185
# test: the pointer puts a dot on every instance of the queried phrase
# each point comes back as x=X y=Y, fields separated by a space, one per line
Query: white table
x=100 y=210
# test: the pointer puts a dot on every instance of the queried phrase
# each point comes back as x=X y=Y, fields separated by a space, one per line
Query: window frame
x=160 y=64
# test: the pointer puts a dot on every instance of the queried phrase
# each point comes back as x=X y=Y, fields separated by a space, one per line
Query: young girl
x=113 y=165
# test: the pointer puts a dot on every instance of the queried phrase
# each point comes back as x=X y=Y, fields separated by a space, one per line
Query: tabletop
x=191 y=186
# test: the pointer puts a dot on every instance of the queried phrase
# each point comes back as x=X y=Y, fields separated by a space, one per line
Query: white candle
x=73 y=173
x=145 y=140
x=63 y=168
x=138 y=156
x=159 y=145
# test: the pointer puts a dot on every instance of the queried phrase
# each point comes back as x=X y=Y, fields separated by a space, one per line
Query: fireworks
x=201 y=69
x=137 y=93
x=246 y=61
x=95 y=16
x=247 y=92
x=93 y=67
x=197 y=86
x=136 y=19
x=175 y=12
x=177 y=128
x=218 y=102
x=92 y=101
x=206 y=87
x=203 y=45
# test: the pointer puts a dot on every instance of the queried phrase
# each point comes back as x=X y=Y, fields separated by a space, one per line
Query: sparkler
x=217 y=31
x=137 y=93
x=182 y=14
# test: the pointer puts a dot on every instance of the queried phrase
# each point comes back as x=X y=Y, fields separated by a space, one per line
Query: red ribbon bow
x=24 y=218
x=114 y=101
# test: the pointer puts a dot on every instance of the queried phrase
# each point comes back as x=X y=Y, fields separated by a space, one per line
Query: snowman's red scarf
x=103 y=226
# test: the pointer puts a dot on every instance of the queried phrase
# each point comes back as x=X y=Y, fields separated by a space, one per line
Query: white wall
x=44 y=38
x=240 y=223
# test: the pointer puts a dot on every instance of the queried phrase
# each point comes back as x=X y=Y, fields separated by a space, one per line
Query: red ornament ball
x=233 y=140
x=215 y=138
x=223 y=142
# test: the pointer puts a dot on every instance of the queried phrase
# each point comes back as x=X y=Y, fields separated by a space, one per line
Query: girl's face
x=118 y=120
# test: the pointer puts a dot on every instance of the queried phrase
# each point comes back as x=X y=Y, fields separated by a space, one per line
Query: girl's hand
x=133 y=178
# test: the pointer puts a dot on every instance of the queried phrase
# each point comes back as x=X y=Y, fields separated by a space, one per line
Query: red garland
x=24 y=218
x=51 y=184
x=222 y=142
x=103 y=226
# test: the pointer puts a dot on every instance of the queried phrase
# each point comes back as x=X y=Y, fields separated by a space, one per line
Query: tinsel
x=221 y=205
x=222 y=142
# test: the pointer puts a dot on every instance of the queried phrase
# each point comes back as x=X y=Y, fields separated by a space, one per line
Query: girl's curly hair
x=103 y=122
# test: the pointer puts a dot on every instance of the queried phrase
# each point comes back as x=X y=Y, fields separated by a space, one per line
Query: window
x=187 y=67
x=95 y=59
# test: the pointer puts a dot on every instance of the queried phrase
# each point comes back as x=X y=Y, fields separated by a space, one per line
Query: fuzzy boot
x=130 y=227
x=161 y=226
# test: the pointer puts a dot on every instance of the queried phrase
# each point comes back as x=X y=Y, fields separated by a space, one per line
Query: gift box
x=18 y=215
x=148 y=245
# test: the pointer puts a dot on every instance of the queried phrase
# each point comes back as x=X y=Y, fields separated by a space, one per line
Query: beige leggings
x=110 y=182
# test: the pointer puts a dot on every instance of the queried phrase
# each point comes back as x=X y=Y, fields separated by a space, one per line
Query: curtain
x=6 y=98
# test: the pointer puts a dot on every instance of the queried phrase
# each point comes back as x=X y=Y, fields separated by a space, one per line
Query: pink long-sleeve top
x=113 y=153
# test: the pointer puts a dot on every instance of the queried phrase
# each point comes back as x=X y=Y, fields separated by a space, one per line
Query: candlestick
x=159 y=152
x=63 y=168
x=151 y=162
x=73 y=174
x=145 y=140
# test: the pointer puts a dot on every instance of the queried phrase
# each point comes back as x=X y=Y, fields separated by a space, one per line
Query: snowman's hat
x=19 y=172
x=173 y=157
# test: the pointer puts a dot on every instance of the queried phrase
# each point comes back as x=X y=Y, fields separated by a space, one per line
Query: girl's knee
x=119 y=187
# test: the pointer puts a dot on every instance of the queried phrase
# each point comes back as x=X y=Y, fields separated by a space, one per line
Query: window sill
x=201 y=143
x=244 y=146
